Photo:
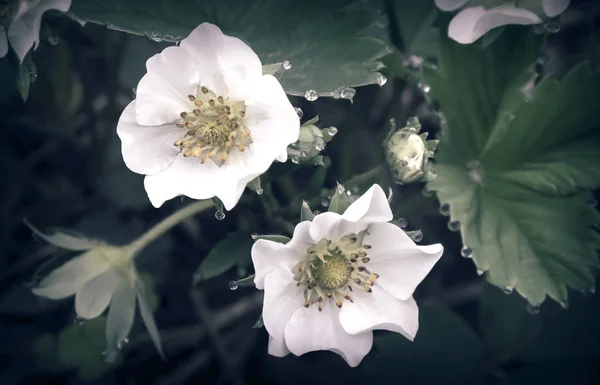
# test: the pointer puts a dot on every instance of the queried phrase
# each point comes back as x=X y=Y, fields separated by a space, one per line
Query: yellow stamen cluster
x=332 y=269
x=215 y=127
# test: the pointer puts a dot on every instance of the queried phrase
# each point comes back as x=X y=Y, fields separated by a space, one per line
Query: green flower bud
x=407 y=153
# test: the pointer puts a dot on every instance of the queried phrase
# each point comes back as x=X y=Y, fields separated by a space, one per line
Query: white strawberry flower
x=20 y=22
x=101 y=277
x=473 y=22
x=339 y=278
x=206 y=121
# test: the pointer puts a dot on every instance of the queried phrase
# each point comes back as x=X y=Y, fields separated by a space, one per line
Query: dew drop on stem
x=233 y=285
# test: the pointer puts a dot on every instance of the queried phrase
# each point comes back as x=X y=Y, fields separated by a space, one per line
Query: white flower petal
x=400 y=263
x=282 y=298
x=158 y=102
x=120 y=319
x=147 y=316
x=310 y=330
x=270 y=116
x=94 y=296
x=147 y=149
x=472 y=23
x=380 y=311
x=67 y=279
x=269 y=256
x=207 y=42
x=3 y=42
x=185 y=176
x=24 y=31
x=371 y=207
x=450 y=5
x=64 y=240
x=554 y=7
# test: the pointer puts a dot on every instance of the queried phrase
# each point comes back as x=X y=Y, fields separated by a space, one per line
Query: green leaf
x=331 y=44
x=339 y=201
x=306 y=214
x=25 y=76
x=226 y=254
x=513 y=160
x=445 y=351
x=415 y=22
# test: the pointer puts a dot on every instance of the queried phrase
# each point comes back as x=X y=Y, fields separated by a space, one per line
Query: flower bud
x=407 y=153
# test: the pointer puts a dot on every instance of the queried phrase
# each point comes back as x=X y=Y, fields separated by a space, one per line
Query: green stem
x=168 y=223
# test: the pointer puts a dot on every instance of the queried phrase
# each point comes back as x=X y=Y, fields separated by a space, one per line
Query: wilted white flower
x=20 y=21
x=205 y=121
x=102 y=277
x=473 y=22
x=339 y=278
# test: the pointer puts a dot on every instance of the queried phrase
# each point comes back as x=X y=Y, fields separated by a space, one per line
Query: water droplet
x=299 y=112
x=233 y=285
x=303 y=154
x=445 y=209
x=417 y=236
x=507 y=289
x=480 y=272
x=133 y=92
x=454 y=225
x=538 y=29
x=336 y=94
x=260 y=191
x=156 y=36
x=533 y=308
x=311 y=95
x=295 y=160
x=33 y=76
x=402 y=223
x=220 y=215
x=325 y=201
x=424 y=87
x=413 y=62
x=78 y=321
x=381 y=79
x=552 y=26
x=413 y=121
x=331 y=131
x=316 y=212
x=286 y=64
x=466 y=252
x=53 y=39
x=348 y=192
x=319 y=144
x=348 y=93
x=123 y=343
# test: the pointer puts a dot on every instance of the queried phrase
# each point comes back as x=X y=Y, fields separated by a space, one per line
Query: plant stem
x=169 y=222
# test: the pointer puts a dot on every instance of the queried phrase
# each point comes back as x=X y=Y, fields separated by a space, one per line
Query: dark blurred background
x=61 y=166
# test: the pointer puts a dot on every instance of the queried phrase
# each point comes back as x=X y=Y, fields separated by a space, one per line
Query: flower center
x=331 y=270
x=215 y=127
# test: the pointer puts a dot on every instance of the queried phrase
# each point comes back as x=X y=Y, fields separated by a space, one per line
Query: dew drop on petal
x=417 y=236
x=233 y=285
x=507 y=289
x=466 y=252
x=220 y=215
x=454 y=225
x=445 y=209
x=533 y=308
x=286 y=64
x=348 y=93
x=552 y=26
x=123 y=343
x=299 y=112
x=311 y=95
x=331 y=131
x=295 y=160
x=402 y=223
x=381 y=79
